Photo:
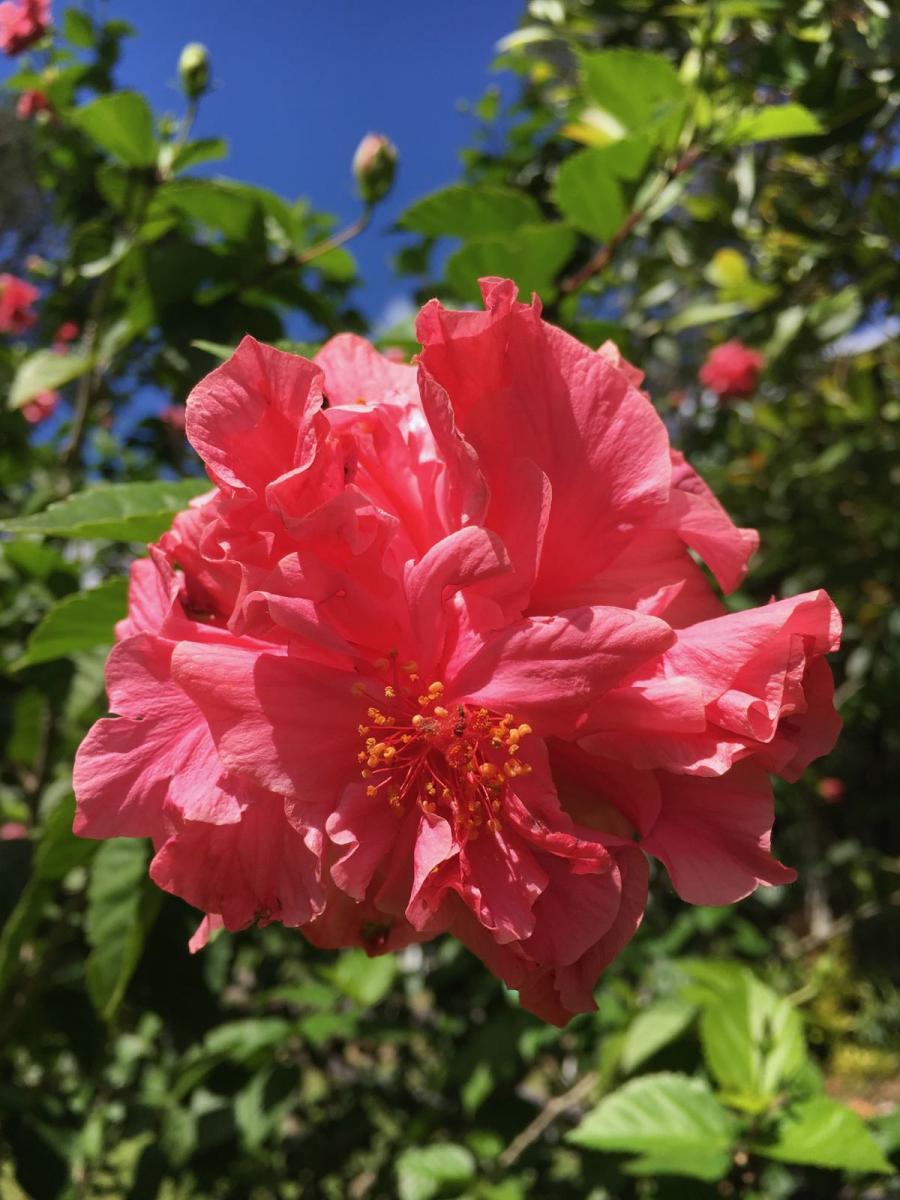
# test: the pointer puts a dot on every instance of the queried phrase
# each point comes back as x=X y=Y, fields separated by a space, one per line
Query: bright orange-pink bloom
x=16 y=300
x=30 y=103
x=41 y=407
x=22 y=23
x=438 y=657
x=732 y=370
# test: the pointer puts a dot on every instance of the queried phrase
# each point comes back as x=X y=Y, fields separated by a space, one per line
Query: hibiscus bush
x=393 y=733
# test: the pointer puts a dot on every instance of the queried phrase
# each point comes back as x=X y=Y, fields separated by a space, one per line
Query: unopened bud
x=374 y=167
x=193 y=69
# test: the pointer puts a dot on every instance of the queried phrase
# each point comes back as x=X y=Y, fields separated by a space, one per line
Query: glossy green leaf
x=821 y=1132
x=191 y=154
x=225 y=207
x=653 y=1029
x=753 y=1042
x=77 y=622
x=122 y=125
x=640 y=90
x=532 y=256
x=467 y=212
x=674 y=1121
x=425 y=1172
x=78 y=28
x=769 y=124
x=45 y=371
x=364 y=979
x=125 y=512
x=121 y=907
x=589 y=196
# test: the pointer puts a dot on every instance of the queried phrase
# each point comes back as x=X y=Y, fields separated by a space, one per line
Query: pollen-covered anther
x=440 y=711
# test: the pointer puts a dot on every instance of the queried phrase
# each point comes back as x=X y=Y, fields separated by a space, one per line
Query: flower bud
x=374 y=167
x=193 y=70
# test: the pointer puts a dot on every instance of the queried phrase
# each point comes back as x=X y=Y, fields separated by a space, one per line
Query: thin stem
x=337 y=239
x=545 y=1118
x=601 y=260
x=84 y=396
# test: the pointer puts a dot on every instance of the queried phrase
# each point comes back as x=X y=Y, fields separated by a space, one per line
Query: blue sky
x=298 y=83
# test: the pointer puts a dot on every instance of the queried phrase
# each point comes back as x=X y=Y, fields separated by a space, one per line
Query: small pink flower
x=732 y=370
x=831 y=789
x=67 y=332
x=438 y=658
x=173 y=415
x=41 y=407
x=22 y=23
x=32 y=102
x=13 y=831
x=16 y=300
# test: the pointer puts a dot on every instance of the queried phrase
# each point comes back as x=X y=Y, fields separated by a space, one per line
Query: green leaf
x=703 y=313
x=673 y=1120
x=460 y=211
x=365 y=980
x=122 y=125
x=727 y=268
x=216 y=349
x=336 y=264
x=124 y=512
x=44 y=371
x=823 y=1133
x=532 y=256
x=588 y=196
x=120 y=909
x=77 y=622
x=769 y=124
x=229 y=208
x=753 y=1042
x=200 y=151
x=425 y=1172
x=59 y=850
x=78 y=28
x=652 y=1029
x=640 y=90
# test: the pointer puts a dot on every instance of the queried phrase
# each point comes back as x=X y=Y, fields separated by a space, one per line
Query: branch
x=337 y=239
x=545 y=1118
x=604 y=255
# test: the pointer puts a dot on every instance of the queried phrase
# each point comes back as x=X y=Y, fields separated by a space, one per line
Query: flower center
x=457 y=760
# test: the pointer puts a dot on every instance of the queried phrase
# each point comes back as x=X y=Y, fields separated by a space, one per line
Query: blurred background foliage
x=671 y=176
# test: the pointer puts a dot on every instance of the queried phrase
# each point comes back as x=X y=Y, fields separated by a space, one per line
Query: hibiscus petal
x=287 y=724
x=522 y=389
x=249 y=419
x=714 y=835
x=257 y=869
x=552 y=670
x=158 y=746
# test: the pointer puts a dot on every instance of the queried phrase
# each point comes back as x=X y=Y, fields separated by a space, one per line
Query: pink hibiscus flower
x=41 y=407
x=22 y=23
x=31 y=103
x=16 y=300
x=67 y=332
x=732 y=370
x=437 y=657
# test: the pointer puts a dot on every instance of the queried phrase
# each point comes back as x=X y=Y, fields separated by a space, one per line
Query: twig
x=545 y=1118
x=351 y=231
x=604 y=255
